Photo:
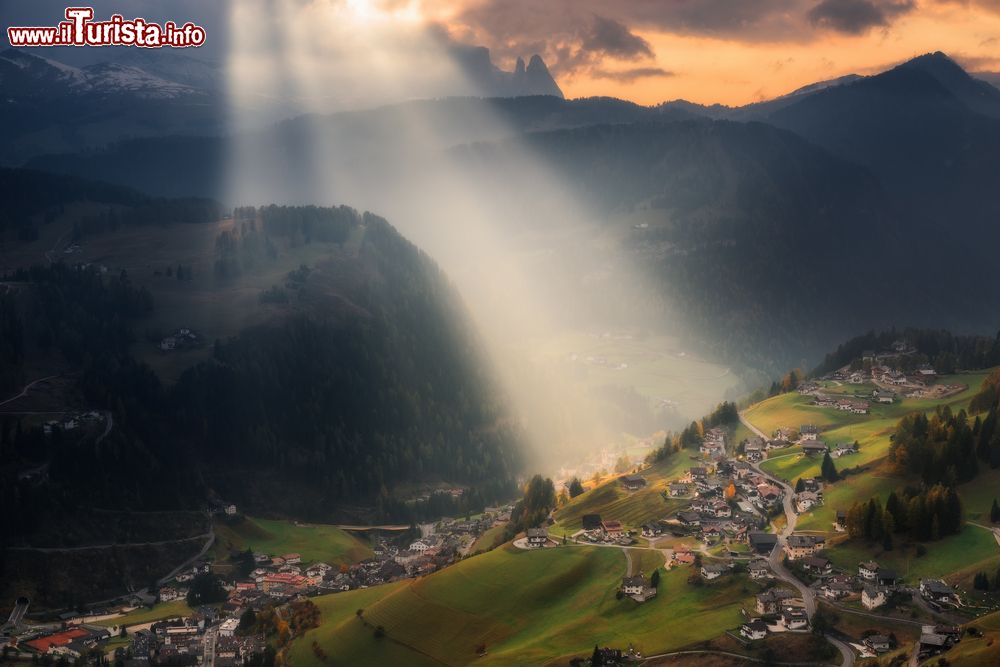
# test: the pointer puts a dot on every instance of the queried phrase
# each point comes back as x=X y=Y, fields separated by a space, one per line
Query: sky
x=707 y=51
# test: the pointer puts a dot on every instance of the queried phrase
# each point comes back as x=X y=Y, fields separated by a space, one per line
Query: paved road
x=207 y=536
x=27 y=388
x=208 y=657
x=740 y=656
x=776 y=557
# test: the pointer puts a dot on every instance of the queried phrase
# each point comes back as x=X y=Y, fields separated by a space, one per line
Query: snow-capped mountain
x=31 y=76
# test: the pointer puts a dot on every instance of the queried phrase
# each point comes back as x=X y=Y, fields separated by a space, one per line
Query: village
x=731 y=504
x=216 y=633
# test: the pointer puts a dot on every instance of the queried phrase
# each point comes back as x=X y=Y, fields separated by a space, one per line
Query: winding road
x=776 y=558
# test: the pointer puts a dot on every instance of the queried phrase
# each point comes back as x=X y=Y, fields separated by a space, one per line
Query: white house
x=872 y=598
x=755 y=629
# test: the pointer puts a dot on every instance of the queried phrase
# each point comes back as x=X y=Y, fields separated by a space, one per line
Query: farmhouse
x=689 y=518
x=612 y=529
x=769 y=602
x=817 y=565
x=758 y=570
x=635 y=587
x=802 y=546
x=794 y=619
x=678 y=490
x=868 y=570
x=808 y=432
x=633 y=482
x=651 y=529
x=814 y=447
x=537 y=537
x=844 y=449
x=936 y=590
x=805 y=501
x=755 y=629
x=872 y=597
x=762 y=543
x=883 y=395
x=877 y=643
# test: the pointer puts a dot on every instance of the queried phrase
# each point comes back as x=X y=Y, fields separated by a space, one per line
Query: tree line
x=922 y=514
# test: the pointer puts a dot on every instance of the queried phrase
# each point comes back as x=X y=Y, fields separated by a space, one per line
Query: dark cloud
x=615 y=39
x=856 y=17
x=631 y=74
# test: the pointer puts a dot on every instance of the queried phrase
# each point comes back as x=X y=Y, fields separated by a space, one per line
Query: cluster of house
x=601 y=531
x=713 y=443
x=73 y=421
x=180 y=339
x=71 y=642
x=857 y=406
x=206 y=637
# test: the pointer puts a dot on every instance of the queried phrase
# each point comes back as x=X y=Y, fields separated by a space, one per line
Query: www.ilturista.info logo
x=79 y=29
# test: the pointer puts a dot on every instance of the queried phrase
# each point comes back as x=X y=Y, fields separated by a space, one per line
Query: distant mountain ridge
x=533 y=79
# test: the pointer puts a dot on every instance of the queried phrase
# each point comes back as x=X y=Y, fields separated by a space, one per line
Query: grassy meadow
x=314 y=542
x=527 y=608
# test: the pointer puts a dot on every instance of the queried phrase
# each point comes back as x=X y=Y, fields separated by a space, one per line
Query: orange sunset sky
x=725 y=51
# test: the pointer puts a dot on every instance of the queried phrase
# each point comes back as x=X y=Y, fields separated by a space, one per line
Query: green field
x=972 y=547
x=633 y=509
x=159 y=612
x=527 y=608
x=314 y=542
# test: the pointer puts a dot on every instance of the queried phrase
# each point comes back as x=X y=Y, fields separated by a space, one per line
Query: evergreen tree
x=828 y=469
x=575 y=487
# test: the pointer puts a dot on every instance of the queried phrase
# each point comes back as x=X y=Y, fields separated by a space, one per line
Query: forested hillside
x=367 y=379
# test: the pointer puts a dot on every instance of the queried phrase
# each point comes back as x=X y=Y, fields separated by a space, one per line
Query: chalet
x=700 y=504
x=872 y=597
x=936 y=590
x=808 y=432
x=697 y=473
x=651 y=530
x=769 y=602
x=612 y=529
x=886 y=578
x=877 y=643
x=420 y=545
x=926 y=371
x=794 y=619
x=292 y=559
x=805 y=501
x=802 y=546
x=824 y=401
x=883 y=395
x=633 y=482
x=840 y=523
x=689 y=518
x=711 y=534
x=683 y=556
x=636 y=588
x=741 y=469
x=754 y=451
x=537 y=537
x=814 y=447
x=754 y=629
x=762 y=543
x=817 y=565
x=835 y=588
x=678 y=490
x=758 y=570
x=768 y=493
x=713 y=571
x=868 y=570
x=845 y=449
x=591 y=521
x=720 y=509
x=710 y=448
x=633 y=585
x=932 y=643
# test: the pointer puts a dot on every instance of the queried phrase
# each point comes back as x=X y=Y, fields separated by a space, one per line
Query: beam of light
x=516 y=243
